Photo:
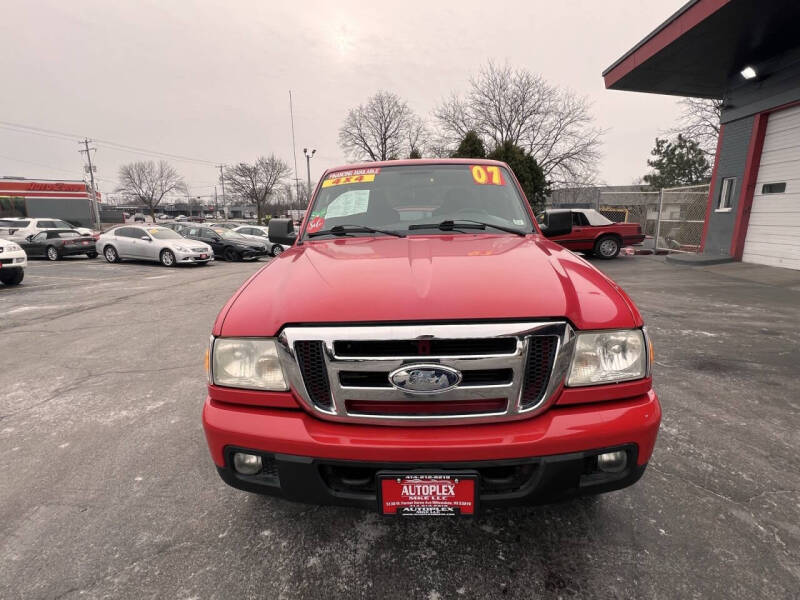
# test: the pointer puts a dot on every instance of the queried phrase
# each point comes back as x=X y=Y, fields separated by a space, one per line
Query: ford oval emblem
x=425 y=379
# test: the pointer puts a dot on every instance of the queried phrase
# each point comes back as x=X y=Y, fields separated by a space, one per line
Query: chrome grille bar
x=524 y=332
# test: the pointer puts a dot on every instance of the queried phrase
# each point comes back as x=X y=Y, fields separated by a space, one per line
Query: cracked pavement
x=107 y=489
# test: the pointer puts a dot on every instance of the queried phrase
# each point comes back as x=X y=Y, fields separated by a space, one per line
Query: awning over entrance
x=698 y=49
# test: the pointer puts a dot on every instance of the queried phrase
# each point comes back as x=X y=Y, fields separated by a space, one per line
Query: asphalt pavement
x=107 y=489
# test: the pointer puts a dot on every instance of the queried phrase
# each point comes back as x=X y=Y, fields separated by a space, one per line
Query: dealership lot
x=108 y=489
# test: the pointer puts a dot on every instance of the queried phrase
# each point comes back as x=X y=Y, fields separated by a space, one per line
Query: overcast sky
x=210 y=80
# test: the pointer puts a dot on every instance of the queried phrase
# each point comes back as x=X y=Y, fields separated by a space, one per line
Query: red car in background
x=592 y=232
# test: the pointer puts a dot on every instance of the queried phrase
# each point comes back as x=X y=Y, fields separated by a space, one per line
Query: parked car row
x=170 y=244
x=186 y=242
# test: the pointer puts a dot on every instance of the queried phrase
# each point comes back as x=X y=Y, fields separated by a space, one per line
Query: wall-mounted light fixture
x=749 y=72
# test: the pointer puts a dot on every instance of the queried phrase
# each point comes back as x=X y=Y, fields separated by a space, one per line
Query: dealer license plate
x=428 y=494
x=204 y=256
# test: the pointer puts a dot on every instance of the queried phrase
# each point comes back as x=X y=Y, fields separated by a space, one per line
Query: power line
x=21 y=128
x=55 y=135
x=38 y=164
x=52 y=168
x=154 y=153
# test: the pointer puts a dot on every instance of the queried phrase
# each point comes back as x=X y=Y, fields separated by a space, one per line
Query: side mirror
x=281 y=231
x=146 y=238
x=557 y=223
x=27 y=237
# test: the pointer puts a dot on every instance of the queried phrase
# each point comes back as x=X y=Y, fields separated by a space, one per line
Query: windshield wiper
x=348 y=229
x=451 y=224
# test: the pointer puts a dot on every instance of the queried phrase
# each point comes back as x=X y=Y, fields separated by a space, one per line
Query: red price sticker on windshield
x=487 y=175
x=315 y=224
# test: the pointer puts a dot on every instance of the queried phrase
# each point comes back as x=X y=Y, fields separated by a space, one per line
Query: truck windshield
x=406 y=199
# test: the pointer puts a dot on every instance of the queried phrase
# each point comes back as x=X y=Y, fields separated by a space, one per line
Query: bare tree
x=148 y=182
x=417 y=136
x=384 y=128
x=503 y=104
x=300 y=200
x=256 y=182
x=699 y=121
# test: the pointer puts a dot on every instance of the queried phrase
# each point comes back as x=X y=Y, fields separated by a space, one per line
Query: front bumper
x=536 y=480
x=310 y=460
x=194 y=257
x=13 y=260
x=254 y=253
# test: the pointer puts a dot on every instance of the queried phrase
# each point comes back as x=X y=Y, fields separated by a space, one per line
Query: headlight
x=247 y=363
x=608 y=356
x=13 y=248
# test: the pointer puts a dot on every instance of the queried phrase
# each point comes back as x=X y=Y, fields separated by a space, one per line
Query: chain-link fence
x=672 y=217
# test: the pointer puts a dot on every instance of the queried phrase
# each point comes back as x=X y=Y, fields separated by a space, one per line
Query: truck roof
x=416 y=161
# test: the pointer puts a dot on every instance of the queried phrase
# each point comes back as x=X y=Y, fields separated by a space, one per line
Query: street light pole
x=308 y=168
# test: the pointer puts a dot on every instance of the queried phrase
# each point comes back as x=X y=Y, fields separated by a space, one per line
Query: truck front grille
x=541 y=354
x=311 y=359
x=508 y=370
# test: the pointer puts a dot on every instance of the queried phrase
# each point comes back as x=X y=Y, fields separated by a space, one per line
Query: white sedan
x=259 y=233
x=13 y=261
x=22 y=227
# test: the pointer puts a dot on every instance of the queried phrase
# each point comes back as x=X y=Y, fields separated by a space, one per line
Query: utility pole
x=87 y=151
x=308 y=169
x=216 y=205
x=222 y=181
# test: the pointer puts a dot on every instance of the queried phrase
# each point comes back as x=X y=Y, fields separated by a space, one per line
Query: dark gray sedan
x=55 y=244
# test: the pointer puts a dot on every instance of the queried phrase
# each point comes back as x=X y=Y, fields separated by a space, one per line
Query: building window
x=725 y=202
x=773 y=188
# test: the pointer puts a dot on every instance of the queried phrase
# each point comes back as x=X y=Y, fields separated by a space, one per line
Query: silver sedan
x=260 y=234
x=152 y=242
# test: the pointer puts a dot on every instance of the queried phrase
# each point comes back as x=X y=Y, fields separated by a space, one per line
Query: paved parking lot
x=108 y=490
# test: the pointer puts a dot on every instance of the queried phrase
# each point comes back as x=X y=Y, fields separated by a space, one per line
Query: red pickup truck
x=423 y=349
x=594 y=233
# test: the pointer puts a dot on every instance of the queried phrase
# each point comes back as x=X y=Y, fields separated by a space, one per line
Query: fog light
x=246 y=464
x=612 y=462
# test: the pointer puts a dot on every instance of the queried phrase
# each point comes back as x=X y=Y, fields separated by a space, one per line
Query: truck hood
x=425 y=278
